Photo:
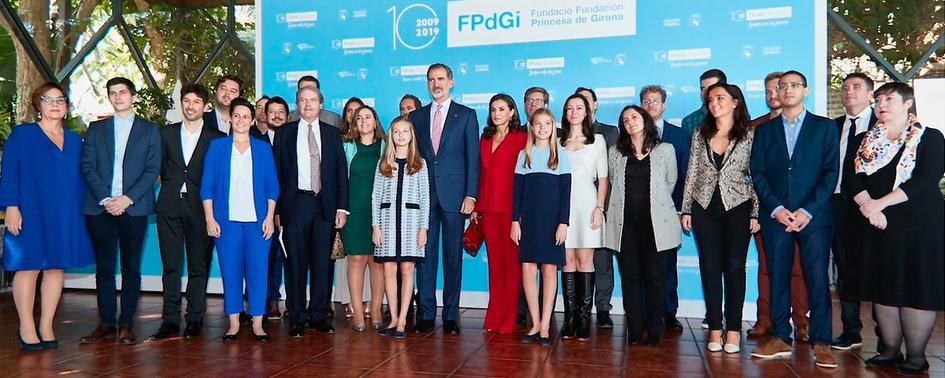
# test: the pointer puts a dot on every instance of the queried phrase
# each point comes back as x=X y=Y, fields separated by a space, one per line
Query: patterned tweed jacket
x=414 y=206
x=666 y=227
x=733 y=180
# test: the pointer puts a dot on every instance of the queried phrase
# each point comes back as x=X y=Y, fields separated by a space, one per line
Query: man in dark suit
x=227 y=88
x=448 y=138
x=121 y=158
x=313 y=201
x=653 y=100
x=180 y=218
x=794 y=171
x=275 y=111
x=603 y=257
x=324 y=115
x=855 y=93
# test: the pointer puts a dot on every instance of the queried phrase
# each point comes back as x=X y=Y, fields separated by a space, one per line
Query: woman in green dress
x=363 y=146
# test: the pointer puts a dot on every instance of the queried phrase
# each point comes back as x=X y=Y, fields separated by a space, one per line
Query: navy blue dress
x=47 y=186
x=541 y=201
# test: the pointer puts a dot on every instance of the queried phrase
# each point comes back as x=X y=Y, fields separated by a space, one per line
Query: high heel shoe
x=377 y=325
x=261 y=338
x=359 y=327
x=230 y=337
x=34 y=347
x=349 y=312
x=47 y=344
x=367 y=309
x=527 y=339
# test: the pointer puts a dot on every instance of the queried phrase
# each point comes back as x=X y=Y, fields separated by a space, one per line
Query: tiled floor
x=351 y=354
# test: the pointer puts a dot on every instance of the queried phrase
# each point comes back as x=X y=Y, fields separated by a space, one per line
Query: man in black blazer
x=313 y=201
x=603 y=257
x=653 y=100
x=448 y=138
x=855 y=93
x=121 y=158
x=181 y=221
x=794 y=170
x=227 y=88
x=275 y=110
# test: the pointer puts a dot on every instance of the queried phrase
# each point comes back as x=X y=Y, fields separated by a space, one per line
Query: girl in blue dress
x=540 y=211
x=42 y=191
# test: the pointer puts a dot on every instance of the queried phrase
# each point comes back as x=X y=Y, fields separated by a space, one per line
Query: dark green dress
x=356 y=235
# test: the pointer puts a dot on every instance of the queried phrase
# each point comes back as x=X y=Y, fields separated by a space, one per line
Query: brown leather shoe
x=126 y=336
x=759 y=330
x=272 y=311
x=102 y=332
x=775 y=347
x=802 y=334
x=823 y=357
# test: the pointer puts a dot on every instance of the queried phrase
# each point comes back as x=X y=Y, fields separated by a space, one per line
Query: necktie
x=847 y=152
x=315 y=160
x=852 y=132
x=437 y=128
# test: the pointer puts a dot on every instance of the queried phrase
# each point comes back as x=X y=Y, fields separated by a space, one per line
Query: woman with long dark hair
x=725 y=213
x=642 y=223
x=502 y=140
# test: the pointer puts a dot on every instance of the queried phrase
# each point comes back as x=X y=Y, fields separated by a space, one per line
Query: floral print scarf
x=877 y=150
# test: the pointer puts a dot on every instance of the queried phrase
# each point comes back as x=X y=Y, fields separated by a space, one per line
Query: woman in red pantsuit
x=502 y=140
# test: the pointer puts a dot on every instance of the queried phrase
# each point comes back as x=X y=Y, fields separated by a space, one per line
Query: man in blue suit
x=653 y=100
x=121 y=159
x=313 y=201
x=794 y=170
x=448 y=138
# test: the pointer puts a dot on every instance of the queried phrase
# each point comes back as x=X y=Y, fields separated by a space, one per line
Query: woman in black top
x=894 y=180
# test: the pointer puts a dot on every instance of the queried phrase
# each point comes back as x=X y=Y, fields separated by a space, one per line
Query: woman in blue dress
x=541 y=198
x=42 y=191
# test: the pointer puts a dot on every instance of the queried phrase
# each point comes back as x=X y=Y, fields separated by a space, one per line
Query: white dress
x=587 y=165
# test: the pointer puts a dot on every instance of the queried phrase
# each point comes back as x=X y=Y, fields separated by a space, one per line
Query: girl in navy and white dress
x=400 y=216
x=540 y=211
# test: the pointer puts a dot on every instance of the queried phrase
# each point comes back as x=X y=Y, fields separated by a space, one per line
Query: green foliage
x=153 y=105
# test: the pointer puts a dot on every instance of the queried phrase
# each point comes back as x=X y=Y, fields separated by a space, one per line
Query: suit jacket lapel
x=781 y=138
x=451 y=115
x=110 y=142
x=803 y=134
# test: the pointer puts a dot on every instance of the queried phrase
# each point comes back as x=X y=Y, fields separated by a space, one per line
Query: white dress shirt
x=188 y=142
x=660 y=125
x=122 y=132
x=222 y=124
x=862 y=123
x=242 y=207
x=301 y=149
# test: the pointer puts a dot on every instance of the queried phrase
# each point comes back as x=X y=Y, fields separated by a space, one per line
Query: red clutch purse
x=472 y=238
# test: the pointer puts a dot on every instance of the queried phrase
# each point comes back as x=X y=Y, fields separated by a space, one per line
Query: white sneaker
x=732 y=348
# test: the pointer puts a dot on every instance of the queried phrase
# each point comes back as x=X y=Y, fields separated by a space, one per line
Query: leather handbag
x=337 y=248
x=472 y=238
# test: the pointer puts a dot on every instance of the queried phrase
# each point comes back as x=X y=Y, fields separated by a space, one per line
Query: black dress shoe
x=262 y=338
x=450 y=327
x=192 y=330
x=423 y=326
x=672 y=323
x=321 y=326
x=845 y=342
x=165 y=331
x=604 y=321
x=527 y=339
x=879 y=361
x=652 y=340
x=906 y=368
x=297 y=330
x=230 y=337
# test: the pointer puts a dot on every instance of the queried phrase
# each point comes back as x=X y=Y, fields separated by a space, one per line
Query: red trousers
x=505 y=272
x=799 y=306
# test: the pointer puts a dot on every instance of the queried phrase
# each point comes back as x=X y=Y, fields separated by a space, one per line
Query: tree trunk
x=34 y=14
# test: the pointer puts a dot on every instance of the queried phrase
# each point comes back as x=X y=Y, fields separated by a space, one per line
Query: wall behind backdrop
x=379 y=51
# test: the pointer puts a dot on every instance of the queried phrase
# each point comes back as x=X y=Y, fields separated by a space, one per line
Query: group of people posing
x=547 y=193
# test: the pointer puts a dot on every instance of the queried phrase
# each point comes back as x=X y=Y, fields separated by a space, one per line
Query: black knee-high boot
x=568 y=287
x=585 y=299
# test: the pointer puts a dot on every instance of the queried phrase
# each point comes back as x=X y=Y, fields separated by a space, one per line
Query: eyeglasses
x=53 y=100
x=791 y=85
x=535 y=101
x=652 y=102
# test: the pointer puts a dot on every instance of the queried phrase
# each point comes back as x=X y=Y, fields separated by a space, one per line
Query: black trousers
x=187 y=228
x=642 y=266
x=849 y=310
x=114 y=236
x=722 y=238
x=308 y=241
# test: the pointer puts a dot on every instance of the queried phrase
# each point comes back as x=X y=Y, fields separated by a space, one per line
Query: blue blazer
x=139 y=170
x=682 y=142
x=215 y=184
x=805 y=180
x=454 y=171
x=334 y=170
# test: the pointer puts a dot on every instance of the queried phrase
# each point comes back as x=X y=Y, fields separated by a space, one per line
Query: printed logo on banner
x=287 y=48
x=689 y=57
x=695 y=20
x=362 y=74
x=343 y=15
x=768 y=17
x=416 y=26
x=354 y=46
x=659 y=56
x=499 y=22
x=410 y=73
x=599 y=60
x=738 y=16
x=615 y=95
x=359 y=13
x=747 y=50
x=619 y=60
x=462 y=68
x=671 y=22
x=297 y=20
x=481 y=68
x=294 y=76
x=344 y=74
x=477 y=101
x=541 y=66
x=771 y=50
